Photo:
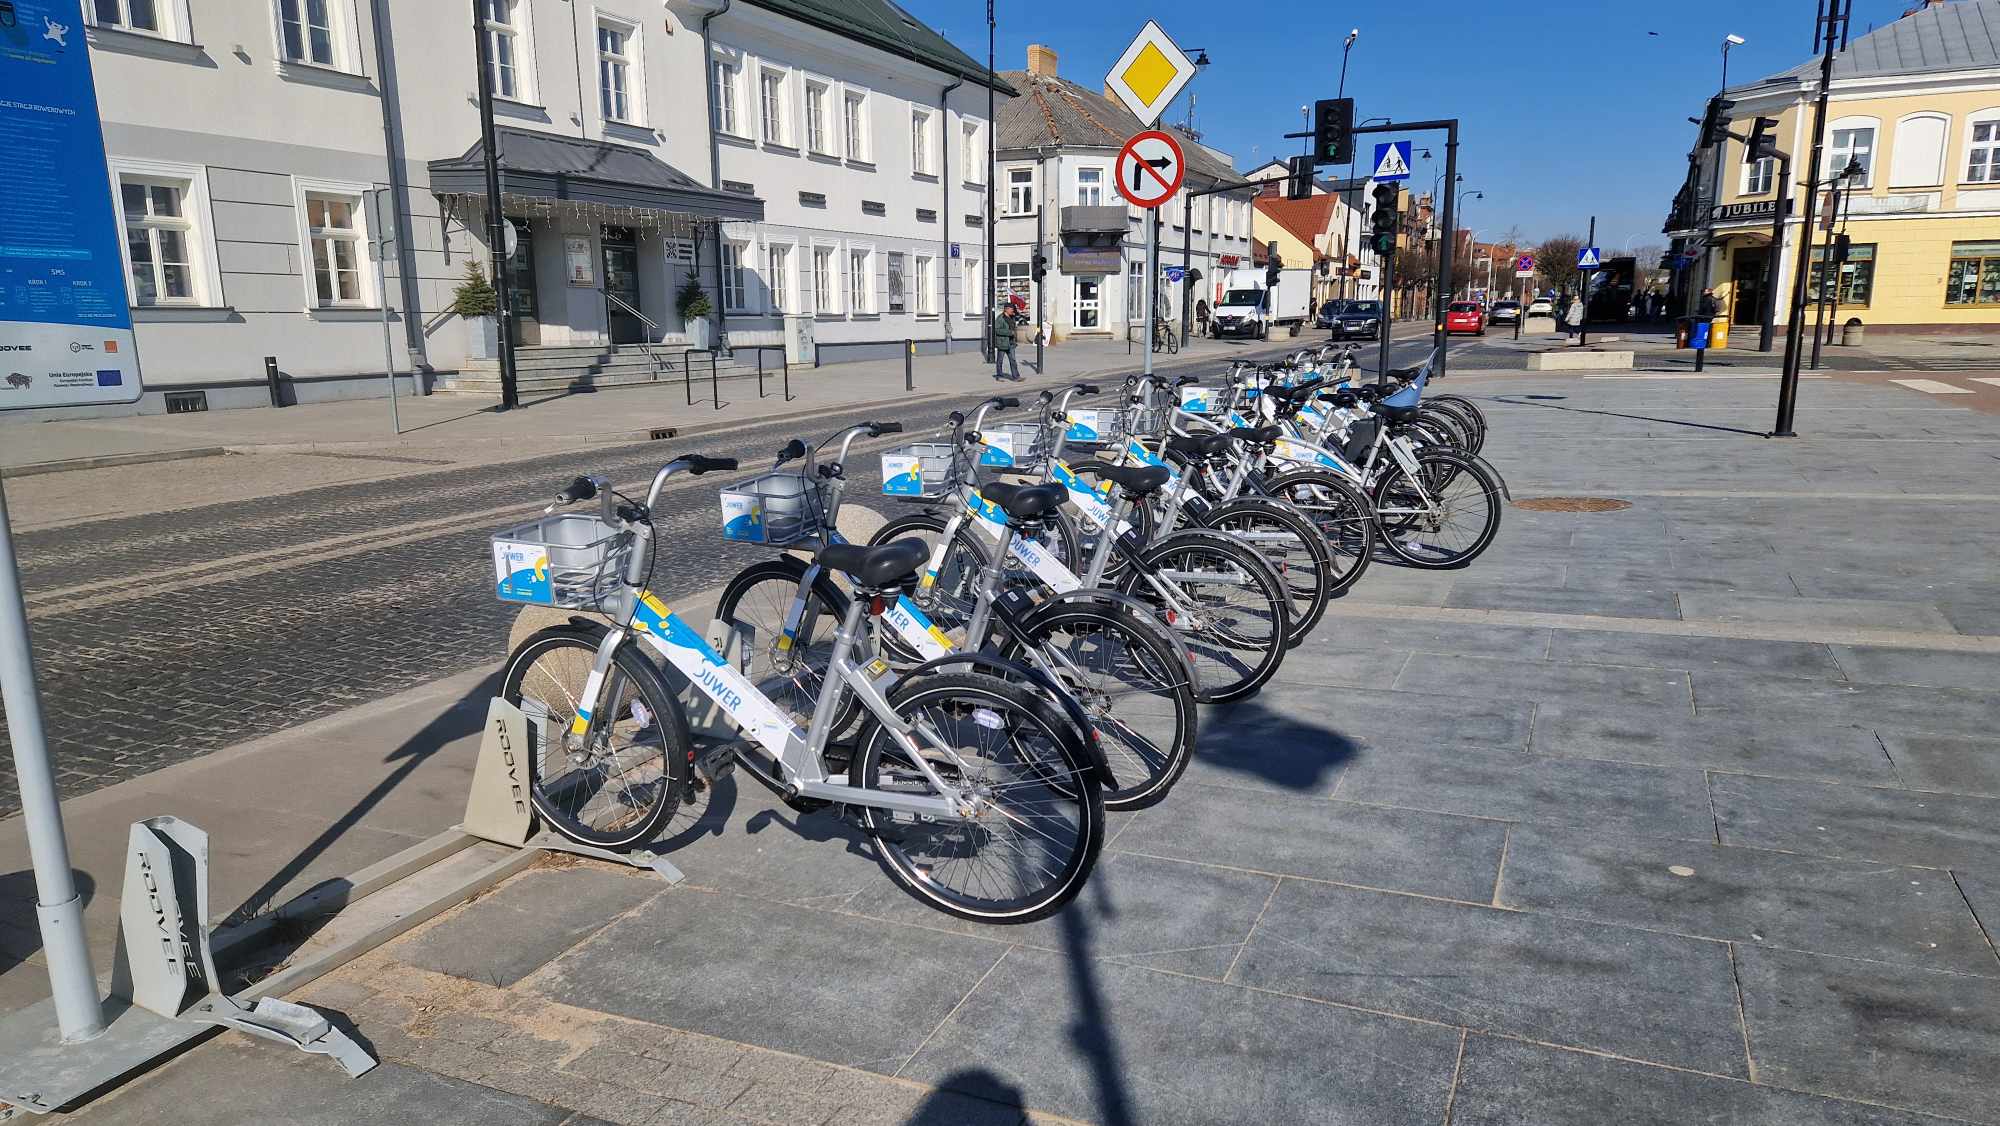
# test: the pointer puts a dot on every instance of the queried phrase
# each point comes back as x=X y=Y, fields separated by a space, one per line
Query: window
x=158 y=238
x=972 y=283
x=129 y=15
x=854 y=123
x=860 y=282
x=1090 y=187
x=1853 y=140
x=1014 y=279
x=971 y=153
x=1757 y=175
x=333 y=234
x=503 y=45
x=1916 y=160
x=898 y=301
x=1020 y=191
x=920 y=144
x=825 y=285
x=725 y=98
x=1135 y=291
x=1857 y=275
x=732 y=276
x=616 y=49
x=778 y=260
x=1982 y=160
x=771 y=105
x=306 y=28
x=926 y=284
x=1974 y=277
x=816 y=117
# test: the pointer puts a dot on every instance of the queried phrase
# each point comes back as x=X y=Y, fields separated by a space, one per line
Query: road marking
x=1932 y=387
x=1740 y=631
x=1989 y=380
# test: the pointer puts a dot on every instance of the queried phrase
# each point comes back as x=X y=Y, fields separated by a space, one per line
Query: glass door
x=1087 y=292
x=1747 y=288
x=521 y=284
x=621 y=285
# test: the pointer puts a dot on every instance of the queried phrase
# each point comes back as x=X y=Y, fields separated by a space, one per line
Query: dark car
x=1504 y=313
x=1357 y=318
x=1328 y=312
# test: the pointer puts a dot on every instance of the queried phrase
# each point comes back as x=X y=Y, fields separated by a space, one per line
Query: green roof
x=887 y=27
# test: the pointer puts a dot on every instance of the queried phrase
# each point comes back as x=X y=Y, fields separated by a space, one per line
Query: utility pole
x=1831 y=22
x=1583 y=290
x=1040 y=319
x=992 y=184
x=1767 y=327
x=496 y=223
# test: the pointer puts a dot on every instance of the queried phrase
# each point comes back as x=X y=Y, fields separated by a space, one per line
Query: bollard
x=788 y=379
x=271 y=381
x=760 y=373
x=909 y=365
x=714 y=384
x=1700 y=354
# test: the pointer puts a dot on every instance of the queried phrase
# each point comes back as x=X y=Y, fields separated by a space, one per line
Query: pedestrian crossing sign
x=1392 y=161
x=1589 y=258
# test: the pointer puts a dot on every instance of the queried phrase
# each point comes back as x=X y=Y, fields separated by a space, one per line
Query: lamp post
x=1457 y=211
x=1728 y=41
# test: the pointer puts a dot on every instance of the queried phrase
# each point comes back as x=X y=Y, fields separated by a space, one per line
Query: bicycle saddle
x=882 y=566
x=1300 y=393
x=1201 y=445
x=1026 y=502
x=1257 y=435
x=1136 y=480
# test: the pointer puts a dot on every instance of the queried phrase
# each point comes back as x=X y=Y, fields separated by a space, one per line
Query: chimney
x=1041 y=61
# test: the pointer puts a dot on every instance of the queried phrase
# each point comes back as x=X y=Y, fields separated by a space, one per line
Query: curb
x=107 y=461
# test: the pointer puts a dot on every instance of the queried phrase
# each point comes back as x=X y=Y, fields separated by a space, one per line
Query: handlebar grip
x=1184 y=380
x=583 y=488
x=699 y=464
x=794 y=450
x=1088 y=389
x=877 y=429
x=956 y=418
x=1005 y=402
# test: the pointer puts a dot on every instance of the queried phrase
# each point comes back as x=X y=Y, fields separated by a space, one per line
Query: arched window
x=1982 y=147
x=1851 y=139
x=1916 y=158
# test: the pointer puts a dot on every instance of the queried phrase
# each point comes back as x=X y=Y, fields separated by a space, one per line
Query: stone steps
x=542 y=370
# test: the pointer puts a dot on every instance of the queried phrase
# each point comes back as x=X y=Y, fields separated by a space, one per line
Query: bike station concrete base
x=1591 y=360
x=1681 y=807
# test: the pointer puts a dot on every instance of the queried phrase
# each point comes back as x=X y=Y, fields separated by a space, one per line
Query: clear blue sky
x=1566 y=107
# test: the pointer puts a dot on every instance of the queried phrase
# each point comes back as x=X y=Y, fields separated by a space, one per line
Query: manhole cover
x=1572 y=504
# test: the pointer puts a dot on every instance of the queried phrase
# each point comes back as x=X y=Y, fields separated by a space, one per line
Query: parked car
x=1504 y=313
x=1541 y=307
x=1328 y=312
x=1358 y=318
x=1465 y=317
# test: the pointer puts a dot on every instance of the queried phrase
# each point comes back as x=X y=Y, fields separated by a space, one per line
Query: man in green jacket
x=1001 y=326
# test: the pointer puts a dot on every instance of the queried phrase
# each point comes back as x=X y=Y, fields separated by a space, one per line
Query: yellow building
x=1915 y=105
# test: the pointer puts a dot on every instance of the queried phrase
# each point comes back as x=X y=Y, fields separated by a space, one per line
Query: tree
x=1555 y=261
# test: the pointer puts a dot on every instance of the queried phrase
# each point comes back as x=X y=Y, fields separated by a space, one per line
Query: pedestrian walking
x=1002 y=336
x=1706 y=308
x=1573 y=318
x=1201 y=316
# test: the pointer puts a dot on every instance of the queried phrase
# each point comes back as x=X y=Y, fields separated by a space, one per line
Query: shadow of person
x=946 y=1107
x=1277 y=745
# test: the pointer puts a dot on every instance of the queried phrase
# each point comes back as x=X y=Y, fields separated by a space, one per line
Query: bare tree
x=1555 y=261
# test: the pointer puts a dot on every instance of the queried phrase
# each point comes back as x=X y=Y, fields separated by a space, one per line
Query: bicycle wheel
x=1292 y=545
x=1228 y=604
x=616 y=787
x=761 y=599
x=1340 y=511
x=949 y=601
x=1131 y=685
x=1445 y=523
x=1038 y=806
x=1470 y=416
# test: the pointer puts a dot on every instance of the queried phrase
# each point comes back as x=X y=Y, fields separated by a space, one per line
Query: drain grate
x=1573 y=504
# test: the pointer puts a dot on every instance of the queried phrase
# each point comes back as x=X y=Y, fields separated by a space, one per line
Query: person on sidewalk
x=1002 y=329
x=1573 y=318
x=1706 y=308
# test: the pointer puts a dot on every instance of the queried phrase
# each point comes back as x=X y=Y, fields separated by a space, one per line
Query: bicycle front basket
x=918 y=471
x=1014 y=445
x=777 y=508
x=570 y=560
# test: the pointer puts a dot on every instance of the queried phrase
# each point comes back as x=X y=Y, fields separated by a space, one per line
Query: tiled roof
x=1305 y=219
x=1055 y=112
x=885 y=26
x=1954 y=35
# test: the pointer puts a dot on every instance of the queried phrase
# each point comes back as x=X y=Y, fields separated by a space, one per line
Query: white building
x=1057 y=145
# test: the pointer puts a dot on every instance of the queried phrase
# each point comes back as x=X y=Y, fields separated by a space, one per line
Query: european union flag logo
x=110 y=377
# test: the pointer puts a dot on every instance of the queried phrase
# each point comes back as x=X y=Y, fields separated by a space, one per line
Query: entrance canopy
x=621 y=183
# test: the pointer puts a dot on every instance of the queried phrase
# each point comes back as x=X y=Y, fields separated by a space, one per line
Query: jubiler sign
x=1762 y=209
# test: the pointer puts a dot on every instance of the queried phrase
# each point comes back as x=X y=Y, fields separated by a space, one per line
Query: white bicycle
x=979 y=797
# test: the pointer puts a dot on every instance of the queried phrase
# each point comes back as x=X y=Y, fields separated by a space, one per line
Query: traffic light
x=1388 y=198
x=1039 y=266
x=1333 y=131
x=1715 y=122
x=1763 y=142
x=1273 y=262
x=1842 y=245
x=1299 y=180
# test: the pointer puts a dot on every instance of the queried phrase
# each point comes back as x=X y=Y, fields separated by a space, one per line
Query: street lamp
x=1728 y=41
x=1457 y=213
x=1341 y=90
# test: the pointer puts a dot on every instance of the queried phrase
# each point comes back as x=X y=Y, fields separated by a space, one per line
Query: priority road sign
x=1149 y=169
x=1150 y=74
x=1589 y=258
x=1392 y=161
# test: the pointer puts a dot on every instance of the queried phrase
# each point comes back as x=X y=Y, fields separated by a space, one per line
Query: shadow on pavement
x=20 y=927
x=1275 y=744
x=1524 y=401
x=942 y=1109
x=1091 y=1031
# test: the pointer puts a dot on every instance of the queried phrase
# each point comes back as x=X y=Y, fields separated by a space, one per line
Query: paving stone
x=1903 y=1037
x=1982 y=892
x=516 y=929
x=1951 y=763
x=1785 y=658
x=781 y=1069
x=1290 y=737
x=1356 y=635
x=1912 y=916
x=676 y=959
x=1105 y=1042
x=1557 y=600
x=1510 y=1083
x=1398 y=850
x=1651 y=801
x=1868 y=822
x=750 y=843
x=614 y=1066
x=1747 y=743
x=782 y=1104
x=1822 y=703
x=1827 y=613
x=1655 y=997
x=1606 y=685
x=1979 y=672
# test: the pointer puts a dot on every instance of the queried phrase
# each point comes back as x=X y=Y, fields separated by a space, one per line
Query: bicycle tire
x=759 y=597
x=1054 y=770
x=1342 y=513
x=671 y=749
x=1439 y=471
x=1303 y=561
x=1223 y=676
x=949 y=601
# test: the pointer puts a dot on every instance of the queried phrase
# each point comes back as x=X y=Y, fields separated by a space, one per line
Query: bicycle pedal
x=716 y=764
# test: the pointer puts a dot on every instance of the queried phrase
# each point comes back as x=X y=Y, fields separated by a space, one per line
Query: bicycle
x=977 y=797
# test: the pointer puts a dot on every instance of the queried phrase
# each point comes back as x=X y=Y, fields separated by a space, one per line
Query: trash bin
x=1851 y=332
x=1682 y=327
x=1698 y=335
x=1718 y=333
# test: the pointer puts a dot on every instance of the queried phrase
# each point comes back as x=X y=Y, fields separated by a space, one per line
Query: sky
x=1566 y=107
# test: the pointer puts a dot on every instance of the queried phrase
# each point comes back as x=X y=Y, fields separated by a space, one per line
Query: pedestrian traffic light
x=1388 y=200
x=1333 y=131
x=1038 y=267
x=1299 y=178
x=1763 y=143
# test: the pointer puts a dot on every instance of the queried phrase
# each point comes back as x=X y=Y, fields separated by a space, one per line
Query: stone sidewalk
x=1684 y=810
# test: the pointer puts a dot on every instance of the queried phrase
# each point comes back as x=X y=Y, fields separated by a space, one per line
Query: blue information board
x=65 y=328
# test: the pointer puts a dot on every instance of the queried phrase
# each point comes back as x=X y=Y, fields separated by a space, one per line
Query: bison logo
x=18 y=382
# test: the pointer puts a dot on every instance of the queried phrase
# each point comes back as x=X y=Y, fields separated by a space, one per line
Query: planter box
x=482 y=337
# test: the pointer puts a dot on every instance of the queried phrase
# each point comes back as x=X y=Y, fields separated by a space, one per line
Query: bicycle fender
x=1083 y=734
x=1488 y=467
x=1145 y=612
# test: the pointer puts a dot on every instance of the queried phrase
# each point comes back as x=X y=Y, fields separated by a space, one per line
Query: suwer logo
x=729 y=698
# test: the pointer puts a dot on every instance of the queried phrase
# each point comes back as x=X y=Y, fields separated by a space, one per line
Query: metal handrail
x=650 y=347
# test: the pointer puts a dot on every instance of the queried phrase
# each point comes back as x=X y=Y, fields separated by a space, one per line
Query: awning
x=572 y=170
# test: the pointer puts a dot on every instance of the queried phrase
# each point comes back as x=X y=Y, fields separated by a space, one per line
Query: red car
x=1465 y=316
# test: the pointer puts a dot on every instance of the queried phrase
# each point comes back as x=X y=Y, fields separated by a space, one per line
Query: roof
x=1953 y=35
x=570 y=168
x=1304 y=219
x=1057 y=113
x=884 y=25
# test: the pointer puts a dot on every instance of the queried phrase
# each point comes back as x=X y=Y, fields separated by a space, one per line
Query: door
x=521 y=293
x=1747 y=288
x=1088 y=304
x=621 y=285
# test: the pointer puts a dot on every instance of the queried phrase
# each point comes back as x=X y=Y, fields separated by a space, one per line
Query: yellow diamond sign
x=1150 y=74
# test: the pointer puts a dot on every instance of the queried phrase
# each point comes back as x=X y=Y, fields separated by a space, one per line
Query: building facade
x=1914 y=106
x=1057 y=145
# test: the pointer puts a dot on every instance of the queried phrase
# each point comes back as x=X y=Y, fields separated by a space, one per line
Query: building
x=1914 y=105
x=1057 y=144
x=1354 y=268
x=792 y=158
x=1305 y=233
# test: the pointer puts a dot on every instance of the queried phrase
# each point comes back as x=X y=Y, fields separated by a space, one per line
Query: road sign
x=1149 y=74
x=65 y=323
x=1392 y=161
x=1524 y=266
x=1150 y=169
x=1175 y=274
x=1589 y=258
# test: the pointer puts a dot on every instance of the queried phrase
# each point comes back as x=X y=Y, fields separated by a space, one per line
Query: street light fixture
x=1728 y=41
x=1458 y=212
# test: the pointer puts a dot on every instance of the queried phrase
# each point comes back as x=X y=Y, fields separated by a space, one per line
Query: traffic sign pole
x=1583 y=337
